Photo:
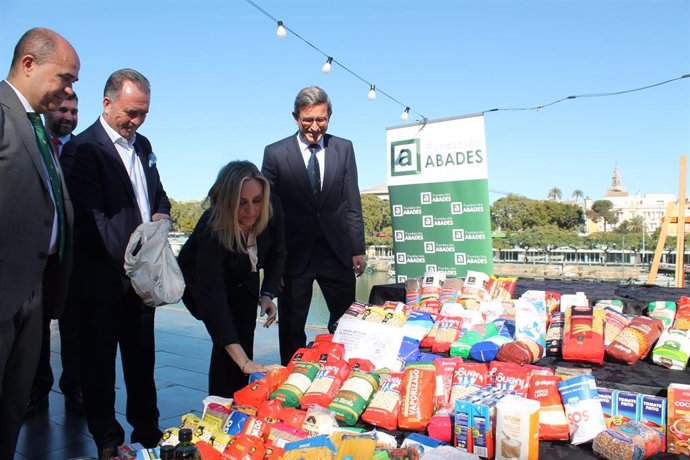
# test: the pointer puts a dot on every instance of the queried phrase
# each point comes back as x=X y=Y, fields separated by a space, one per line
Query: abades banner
x=439 y=197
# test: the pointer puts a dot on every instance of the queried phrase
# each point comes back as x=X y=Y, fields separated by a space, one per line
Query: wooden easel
x=675 y=214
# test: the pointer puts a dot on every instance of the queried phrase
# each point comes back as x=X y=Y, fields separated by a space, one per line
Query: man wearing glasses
x=315 y=176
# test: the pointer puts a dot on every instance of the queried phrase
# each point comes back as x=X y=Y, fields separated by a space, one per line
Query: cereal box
x=678 y=425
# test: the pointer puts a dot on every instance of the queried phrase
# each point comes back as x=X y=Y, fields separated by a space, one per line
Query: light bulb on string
x=281 y=32
x=406 y=114
x=326 y=68
x=372 y=93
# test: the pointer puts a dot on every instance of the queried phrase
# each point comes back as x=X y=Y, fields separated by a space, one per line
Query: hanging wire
x=335 y=61
x=616 y=93
x=424 y=120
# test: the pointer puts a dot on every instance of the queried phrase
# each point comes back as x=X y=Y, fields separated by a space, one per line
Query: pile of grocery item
x=465 y=383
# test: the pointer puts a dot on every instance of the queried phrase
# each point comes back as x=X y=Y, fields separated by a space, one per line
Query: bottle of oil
x=186 y=450
x=167 y=453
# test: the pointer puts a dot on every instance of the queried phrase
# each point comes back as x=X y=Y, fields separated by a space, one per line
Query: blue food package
x=486 y=350
x=236 y=422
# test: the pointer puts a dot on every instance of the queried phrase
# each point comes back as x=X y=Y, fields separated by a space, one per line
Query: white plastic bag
x=152 y=266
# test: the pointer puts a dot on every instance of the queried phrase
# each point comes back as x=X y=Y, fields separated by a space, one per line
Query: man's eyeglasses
x=308 y=121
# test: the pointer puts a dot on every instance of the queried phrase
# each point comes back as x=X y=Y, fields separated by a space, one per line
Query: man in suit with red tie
x=315 y=176
x=35 y=217
x=111 y=173
x=60 y=124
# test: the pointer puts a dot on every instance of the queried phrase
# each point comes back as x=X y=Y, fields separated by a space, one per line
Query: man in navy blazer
x=111 y=170
x=315 y=176
x=35 y=217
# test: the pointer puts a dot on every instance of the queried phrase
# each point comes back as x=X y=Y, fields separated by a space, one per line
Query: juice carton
x=626 y=407
x=652 y=412
x=483 y=427
x=463 y=425
x=607 y=397
x=678 y=433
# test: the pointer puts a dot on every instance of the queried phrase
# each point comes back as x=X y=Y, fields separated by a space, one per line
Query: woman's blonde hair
x=224 y=198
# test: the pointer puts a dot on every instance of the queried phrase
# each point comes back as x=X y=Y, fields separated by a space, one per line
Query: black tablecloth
x=644 y=377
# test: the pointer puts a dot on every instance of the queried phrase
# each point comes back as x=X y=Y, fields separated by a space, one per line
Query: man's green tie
x=55 y=184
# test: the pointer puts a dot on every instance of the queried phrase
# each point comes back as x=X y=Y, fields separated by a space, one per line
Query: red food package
x=430 y=338
x=323 y=338
x=635 y=340
x=466 y=375
x=269 y=410
x=325 y=385
x=245 y=447
x=682 y=320
x=208 y=452
x=328 y=351
x=448 y=332
x=257 y=392
x=291 y=416
x=583 y=335
x=445 y=368
x=360 y=364
x=272 y=452
x=306 y=355
x=383 y=408
x=416 y=399
x=255 y=427
x=553 y=425
x=510 y=376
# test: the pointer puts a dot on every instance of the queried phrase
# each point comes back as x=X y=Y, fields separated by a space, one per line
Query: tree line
x=521 y=222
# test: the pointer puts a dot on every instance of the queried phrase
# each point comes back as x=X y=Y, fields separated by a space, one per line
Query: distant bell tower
x=616 y=188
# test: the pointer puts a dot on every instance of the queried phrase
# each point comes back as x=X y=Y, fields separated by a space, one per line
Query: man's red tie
x=56 y=147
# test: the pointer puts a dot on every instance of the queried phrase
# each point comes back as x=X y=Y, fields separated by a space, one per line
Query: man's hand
x=159 y=216
x=268 y=308
x=359 y=263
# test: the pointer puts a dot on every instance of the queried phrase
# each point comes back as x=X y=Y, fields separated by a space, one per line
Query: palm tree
x=577 y=194
x=555 y=194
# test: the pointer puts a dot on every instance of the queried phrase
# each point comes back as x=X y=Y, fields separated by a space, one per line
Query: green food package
x=290 y=393
x=461 y=347
x=354 y=396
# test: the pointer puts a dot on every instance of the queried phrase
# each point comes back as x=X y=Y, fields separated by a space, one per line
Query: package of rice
x=474 y=286
x=354 y=396
x=553 y=425
x=291 y=391
x=258 y=391
x=383 y=408
x=416 y=399
x=582 y=408
x=413 y=290
x=450 y=292
x=682 y=320
x=614 y=323
x=418 y=325
x=326 y=384
x=636 y=340
x=447 y=333
x=632 y=440
x=432 y=284
x=444 y=370
x=663 y=310
x=672 y=349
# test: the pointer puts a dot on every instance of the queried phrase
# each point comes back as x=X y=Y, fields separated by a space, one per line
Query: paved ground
x=183 y=349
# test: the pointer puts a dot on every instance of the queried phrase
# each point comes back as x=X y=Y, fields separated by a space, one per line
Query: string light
x=281 y=32
x=372 y=93
x=326 y=68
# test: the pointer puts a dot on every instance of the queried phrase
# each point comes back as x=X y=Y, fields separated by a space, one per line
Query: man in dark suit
x=111 y=172
x=35 y=217
x=315 y=176
x=60 y=124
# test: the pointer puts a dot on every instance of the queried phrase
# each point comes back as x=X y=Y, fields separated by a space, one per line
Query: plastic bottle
x=185 y=449
x=167 y=452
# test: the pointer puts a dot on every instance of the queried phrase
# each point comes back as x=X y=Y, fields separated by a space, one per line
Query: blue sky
x=223 y=84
